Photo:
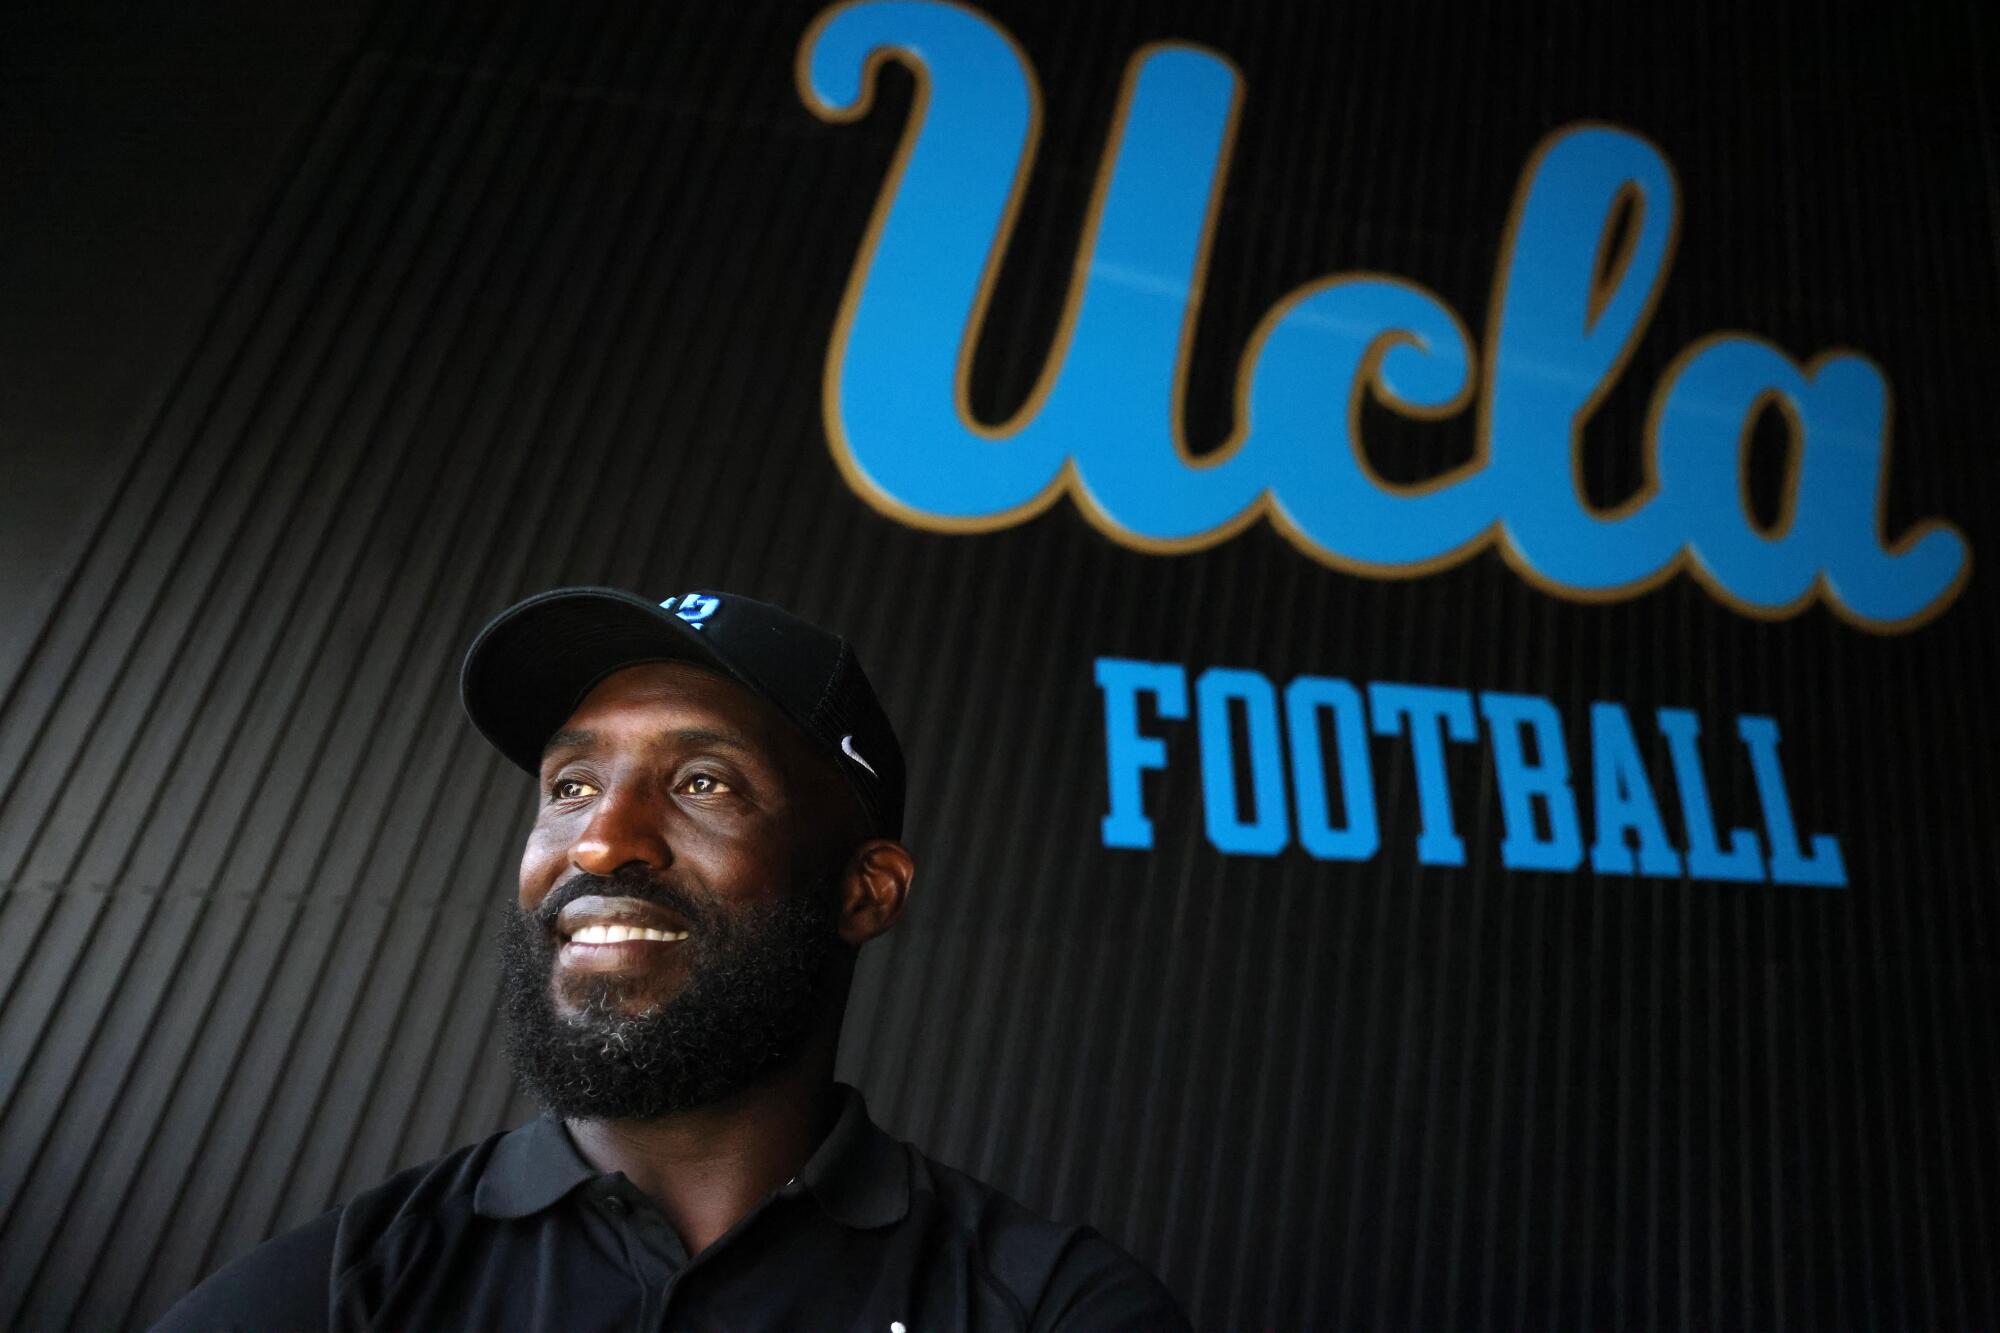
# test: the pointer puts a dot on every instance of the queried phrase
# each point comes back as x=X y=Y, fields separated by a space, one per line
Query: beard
x=757 y=983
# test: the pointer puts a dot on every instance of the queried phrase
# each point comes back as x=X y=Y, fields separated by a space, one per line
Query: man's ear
x=874 y=890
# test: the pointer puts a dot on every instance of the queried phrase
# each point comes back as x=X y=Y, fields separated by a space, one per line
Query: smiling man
x=717 y=832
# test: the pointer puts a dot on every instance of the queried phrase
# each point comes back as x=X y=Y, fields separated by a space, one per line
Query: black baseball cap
x=534 y=662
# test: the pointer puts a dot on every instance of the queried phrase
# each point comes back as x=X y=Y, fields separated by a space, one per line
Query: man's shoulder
x=289 y=1281
x=1063 y=1276
x=425 y=1192
x=280 y=1284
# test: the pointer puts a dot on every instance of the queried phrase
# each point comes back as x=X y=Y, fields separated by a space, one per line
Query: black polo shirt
x=520 y=1232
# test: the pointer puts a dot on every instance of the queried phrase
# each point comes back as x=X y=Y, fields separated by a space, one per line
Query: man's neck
x=709 y=1166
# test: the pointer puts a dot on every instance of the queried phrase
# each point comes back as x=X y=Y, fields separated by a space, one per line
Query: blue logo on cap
x=692 y=607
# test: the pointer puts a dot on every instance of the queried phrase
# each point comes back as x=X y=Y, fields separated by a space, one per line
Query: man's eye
x=570 y=789
x=703 y=784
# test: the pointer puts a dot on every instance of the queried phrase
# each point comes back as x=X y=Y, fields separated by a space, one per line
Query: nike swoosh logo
x=847 y=748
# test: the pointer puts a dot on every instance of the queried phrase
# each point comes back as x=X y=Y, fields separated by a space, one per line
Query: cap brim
x=532 y=665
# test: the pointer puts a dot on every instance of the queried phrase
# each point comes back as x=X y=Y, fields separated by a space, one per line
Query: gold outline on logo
x=1609 y=273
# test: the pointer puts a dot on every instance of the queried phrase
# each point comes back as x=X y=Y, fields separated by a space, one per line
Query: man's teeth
x=614 y=934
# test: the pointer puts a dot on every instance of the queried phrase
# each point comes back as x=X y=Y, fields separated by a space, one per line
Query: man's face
x=677 y=922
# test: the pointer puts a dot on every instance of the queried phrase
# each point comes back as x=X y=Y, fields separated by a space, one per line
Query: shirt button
x=616 y=1206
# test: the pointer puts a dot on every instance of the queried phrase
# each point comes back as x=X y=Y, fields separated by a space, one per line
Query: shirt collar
x=531 y=1167
x=858 y=1175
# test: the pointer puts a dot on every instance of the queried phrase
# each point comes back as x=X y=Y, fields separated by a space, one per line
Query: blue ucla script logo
x=1574 y=289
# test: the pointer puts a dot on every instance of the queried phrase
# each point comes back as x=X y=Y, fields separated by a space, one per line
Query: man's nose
x=625 y=828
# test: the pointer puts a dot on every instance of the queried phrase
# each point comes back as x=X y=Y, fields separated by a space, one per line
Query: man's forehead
x=678 y=703
x=674 y=700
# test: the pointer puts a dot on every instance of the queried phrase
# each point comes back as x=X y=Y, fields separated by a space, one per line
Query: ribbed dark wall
x=544 y=296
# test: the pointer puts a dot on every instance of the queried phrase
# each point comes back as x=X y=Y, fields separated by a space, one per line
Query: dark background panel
x=331 y=336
